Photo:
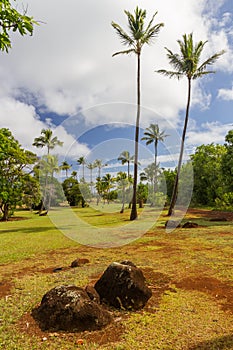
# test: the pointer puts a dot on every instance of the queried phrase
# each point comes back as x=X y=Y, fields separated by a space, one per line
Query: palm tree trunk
x=134 y=214
x=155 y=177
x=175 y=188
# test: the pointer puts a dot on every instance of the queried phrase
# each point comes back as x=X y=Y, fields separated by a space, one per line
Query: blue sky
x=64 y=77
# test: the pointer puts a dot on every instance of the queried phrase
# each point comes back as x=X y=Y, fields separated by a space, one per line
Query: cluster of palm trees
x=185 y=64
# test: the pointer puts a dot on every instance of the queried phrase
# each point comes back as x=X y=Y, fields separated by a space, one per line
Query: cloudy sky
x=65 y=77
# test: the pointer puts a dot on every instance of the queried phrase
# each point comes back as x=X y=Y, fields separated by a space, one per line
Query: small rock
x=190 y=224
x=79 y=262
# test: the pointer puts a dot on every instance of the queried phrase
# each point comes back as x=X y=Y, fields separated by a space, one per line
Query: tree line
x=29 y=181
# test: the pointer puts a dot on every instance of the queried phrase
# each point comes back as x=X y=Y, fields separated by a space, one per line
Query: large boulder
x=69 y=308
x=122 y=285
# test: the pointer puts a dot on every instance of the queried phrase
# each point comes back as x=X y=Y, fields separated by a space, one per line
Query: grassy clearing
x=189 y=270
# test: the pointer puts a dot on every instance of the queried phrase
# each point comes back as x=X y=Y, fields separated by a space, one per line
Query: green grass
x=179 y=316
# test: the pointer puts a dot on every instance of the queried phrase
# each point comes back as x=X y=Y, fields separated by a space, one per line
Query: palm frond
x=124 y=52
x=210 y=61
x=175 y=60
x=170 y=74
x=124 y=37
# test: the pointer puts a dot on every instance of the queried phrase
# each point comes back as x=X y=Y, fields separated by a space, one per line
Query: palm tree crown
x=47 y=139
x=125 y=157
x=187 y=63
x=138 y=35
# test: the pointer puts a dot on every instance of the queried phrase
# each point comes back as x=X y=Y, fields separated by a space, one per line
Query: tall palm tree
x=66 y=166
x=123 y=182
x=47 y=140
x=125 y=157
x=82 y=161
x=108 y=182
x=187 y=64
x=154 y=135
x=137 y=37
x=99 y=164
x=91 y=166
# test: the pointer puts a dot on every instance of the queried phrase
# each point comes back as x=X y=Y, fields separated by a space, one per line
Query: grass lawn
x=190 y=273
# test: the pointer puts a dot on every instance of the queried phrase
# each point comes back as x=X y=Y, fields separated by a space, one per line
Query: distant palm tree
x=154 y=135
x=137 y=37
x=125 y=157
x=47 y=140
x=99 y=164
x=187 y=64
x=82 y=161
x=74 y=174
x=91 y=166
x=66 y=166
x=108 y=182
x=123 y=182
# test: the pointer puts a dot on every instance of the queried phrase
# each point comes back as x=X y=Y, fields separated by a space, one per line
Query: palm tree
x=47 y=140
x=99 y=164
x=74 y=174
x=137 y=37
x=123 y=182
x=91 y=166
x=154 y=135
x=108 y=182
x=125 y=157
x=187 y=64
x=82 y=161
x=66 y=166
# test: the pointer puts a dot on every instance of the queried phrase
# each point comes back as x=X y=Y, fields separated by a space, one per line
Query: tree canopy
x=11 y=20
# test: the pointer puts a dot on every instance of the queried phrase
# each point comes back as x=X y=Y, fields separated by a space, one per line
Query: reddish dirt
x=211 y=214
x=221 y=291
x=5 y=288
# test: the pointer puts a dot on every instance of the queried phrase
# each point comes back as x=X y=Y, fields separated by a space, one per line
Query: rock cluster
x=71 y=308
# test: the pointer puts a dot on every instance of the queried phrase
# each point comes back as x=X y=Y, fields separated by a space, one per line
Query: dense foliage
x=15 y=183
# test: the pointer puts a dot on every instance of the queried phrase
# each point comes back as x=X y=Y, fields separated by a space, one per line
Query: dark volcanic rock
x=92 y=293
x=123 y=286
x=79 y=262
x=69 y=308
x=190 y=224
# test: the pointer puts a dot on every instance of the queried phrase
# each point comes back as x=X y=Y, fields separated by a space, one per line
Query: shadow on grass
x=221 y=343
x=28 y=230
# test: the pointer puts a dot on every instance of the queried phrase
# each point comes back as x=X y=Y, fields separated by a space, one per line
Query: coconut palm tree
x=154 y=135
x=99 y=164
x=66 y=166
x=123 y=182
x=47 y=140
x=91 y=166
x=187 y=64
x=82 y=161
x=108 y=182
x=125 y=157
x=74 y=174
x=137 y=37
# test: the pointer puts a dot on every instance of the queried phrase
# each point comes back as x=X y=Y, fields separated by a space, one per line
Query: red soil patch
x=211 y=214
x=5 y=288
x=221 y=291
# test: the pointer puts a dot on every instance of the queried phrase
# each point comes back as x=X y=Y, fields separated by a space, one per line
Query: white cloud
x=210 y=132
x=67 y=65
x=226 y=94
